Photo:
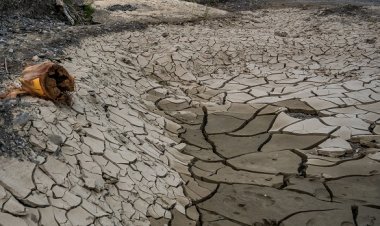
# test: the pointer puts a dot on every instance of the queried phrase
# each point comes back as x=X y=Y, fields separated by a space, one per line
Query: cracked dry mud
x=220 y=122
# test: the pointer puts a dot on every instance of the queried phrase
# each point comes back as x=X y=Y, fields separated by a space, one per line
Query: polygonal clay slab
x=362 y=167
x=268 y=162
x=222 y=123
x=357 y=189
x=259 y=124
x=289 y=141
x=231 y=146
x=217 y=172
x=16 y=176
x=366 y=216
x=252 y=204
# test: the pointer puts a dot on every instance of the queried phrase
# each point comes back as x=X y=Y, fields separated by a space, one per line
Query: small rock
x=281 y=33
x=370 y=40
x=35 y=58
x=21 y=119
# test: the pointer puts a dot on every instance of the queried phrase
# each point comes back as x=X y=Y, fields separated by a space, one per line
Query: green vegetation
x=88 y=11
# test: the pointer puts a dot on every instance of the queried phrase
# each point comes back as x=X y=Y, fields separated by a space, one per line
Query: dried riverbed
x=266 y=118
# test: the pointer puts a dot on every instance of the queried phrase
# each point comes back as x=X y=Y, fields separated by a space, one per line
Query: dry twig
x=6 y=65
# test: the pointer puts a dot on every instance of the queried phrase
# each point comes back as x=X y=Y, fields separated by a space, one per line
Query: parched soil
x=247 y=5
x=32 y=8
x=266 y=117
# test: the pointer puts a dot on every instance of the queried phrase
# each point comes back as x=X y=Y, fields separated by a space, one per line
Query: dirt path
x=266 y=118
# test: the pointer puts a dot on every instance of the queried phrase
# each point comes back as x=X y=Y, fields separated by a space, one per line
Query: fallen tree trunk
x=69 y=15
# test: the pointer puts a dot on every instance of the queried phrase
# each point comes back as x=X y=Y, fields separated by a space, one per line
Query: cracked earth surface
x=269 y=118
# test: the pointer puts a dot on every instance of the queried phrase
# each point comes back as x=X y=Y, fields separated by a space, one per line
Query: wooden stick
x=66 y=11
x=5 y=65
